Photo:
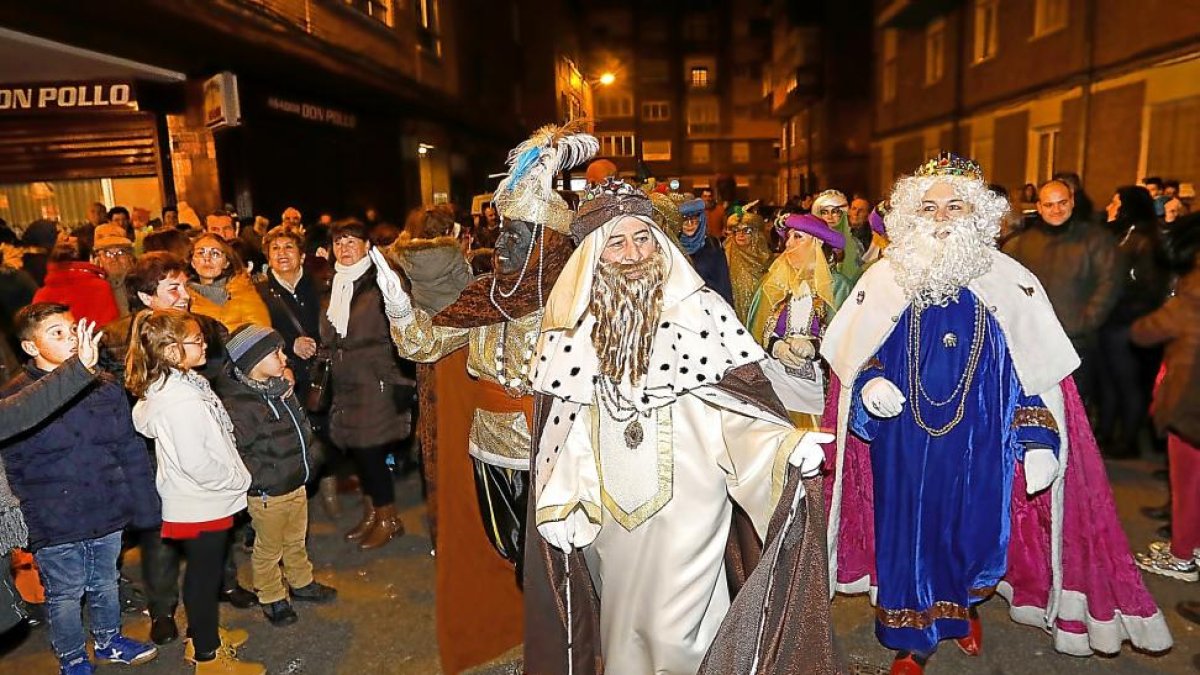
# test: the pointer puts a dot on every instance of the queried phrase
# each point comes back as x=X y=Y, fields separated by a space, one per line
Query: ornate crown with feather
x=527 y=192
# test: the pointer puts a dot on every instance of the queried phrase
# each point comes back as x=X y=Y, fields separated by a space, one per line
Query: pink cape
x=1098 y=599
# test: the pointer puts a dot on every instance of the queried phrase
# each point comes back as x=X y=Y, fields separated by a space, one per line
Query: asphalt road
x=382 y=621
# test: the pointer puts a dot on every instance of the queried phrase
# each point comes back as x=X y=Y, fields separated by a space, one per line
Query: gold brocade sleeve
x=417 y=339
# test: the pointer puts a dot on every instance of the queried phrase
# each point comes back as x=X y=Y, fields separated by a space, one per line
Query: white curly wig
x=930 y=270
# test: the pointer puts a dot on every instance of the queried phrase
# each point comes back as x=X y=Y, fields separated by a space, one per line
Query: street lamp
x=607 y=78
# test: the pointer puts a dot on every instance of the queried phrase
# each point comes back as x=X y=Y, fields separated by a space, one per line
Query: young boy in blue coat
x=82 y=477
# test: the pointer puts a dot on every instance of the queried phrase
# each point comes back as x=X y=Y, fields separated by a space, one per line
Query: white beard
x=931 y=271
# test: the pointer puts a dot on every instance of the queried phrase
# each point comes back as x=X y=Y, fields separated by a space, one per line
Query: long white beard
x=931 y=271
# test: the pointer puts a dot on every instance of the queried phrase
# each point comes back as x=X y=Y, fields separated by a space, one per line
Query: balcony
x=911 y=13
x=802 y=86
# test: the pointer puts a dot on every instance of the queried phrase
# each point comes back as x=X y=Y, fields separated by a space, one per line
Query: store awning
x=27 y=58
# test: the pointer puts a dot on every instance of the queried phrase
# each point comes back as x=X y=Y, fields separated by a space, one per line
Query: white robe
x=662 y=585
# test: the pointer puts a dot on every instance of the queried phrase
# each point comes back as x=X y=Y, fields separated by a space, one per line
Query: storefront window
x=67 y=201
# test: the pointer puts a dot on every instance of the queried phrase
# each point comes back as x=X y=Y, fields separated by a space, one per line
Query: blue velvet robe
x=710 y=263
x=942 y=502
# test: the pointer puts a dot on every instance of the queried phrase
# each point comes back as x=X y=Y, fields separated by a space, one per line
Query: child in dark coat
x=280 y=451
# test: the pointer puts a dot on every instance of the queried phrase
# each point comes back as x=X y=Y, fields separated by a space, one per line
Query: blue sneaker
x=79 y=666
x=123 y=650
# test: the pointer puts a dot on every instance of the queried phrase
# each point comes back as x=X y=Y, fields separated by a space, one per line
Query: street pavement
x=382 y=621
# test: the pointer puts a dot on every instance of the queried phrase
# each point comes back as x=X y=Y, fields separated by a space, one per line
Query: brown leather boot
x=387 y=525
x=327 y=491
x=366 y=524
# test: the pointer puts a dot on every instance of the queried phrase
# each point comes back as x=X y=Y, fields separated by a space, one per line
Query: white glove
x=572 y=532
x=808 y=454
x=1041 y=468
x=882 y=398
x=801 y=346
x=783 y=350
x=396 y=302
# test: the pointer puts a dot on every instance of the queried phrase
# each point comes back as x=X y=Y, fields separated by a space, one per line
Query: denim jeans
x=71 y=572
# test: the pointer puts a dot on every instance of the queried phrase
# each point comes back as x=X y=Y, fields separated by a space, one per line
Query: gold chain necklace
x=916 y=390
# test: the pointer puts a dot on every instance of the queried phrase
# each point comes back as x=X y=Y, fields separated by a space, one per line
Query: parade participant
x=794 y=303
x=749 y=256
x=704 y=251
x=497 y=319
x=657 y=420
x=879 y=238
x=957 y=404
x=831 y=206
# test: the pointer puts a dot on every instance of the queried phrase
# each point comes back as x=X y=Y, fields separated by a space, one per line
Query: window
x=618 y=144
x=703 y=117
x=1049 y=16
x=615 y=104
x=1174 y=143
x=935 y=51
x=700 y=153
x=656 y=111
x=656 y=151
x=428 y=33
x=888 y=78
x=380 y=10
x=741 y=152
x=653 y=71
x=699 y=78
x=1047 y=148
x=987 y=19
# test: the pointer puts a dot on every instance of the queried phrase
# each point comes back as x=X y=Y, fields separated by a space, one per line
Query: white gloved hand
x=808 y=454
x=787 y=356
x=882 y=398
x=396 y=302
x=802 y=346
x=1041 y=468
x=574 y=531
x=555 y=534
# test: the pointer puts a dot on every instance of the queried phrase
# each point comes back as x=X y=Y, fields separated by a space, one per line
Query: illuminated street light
x=607 y=79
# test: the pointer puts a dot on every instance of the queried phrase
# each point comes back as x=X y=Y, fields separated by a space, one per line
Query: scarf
x=212 y=401
x=215 y=292
x=695 y=241
x=343 y=291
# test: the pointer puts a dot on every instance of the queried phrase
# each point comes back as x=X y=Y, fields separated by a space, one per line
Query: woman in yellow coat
x=221 y=288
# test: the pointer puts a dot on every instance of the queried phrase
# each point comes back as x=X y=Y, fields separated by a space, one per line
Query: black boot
x=163 y=630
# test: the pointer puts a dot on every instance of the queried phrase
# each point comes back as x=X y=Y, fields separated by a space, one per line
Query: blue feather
x=523 y=164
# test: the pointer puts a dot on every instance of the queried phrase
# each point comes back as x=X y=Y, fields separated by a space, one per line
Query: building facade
x=1108 y=89
x=685 y=99
x=818 y=85
x=335 y=106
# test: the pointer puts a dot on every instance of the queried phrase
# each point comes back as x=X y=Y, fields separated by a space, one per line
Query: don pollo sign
x=68 y=96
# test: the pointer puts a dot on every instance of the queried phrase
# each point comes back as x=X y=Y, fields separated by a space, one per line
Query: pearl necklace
x=521 y=277
x=916 y=389
x=634 y=433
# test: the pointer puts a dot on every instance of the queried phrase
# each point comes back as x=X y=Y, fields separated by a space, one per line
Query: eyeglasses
x=743 y=230
x=112 y=253
x=210 y=253
x=195 y=342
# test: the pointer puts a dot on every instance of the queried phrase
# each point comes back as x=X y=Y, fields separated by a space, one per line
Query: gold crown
x=950 y=164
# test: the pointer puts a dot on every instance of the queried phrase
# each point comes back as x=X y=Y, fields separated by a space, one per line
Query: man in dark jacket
x=1078 y=266
x=82 y=477
x=279 y=449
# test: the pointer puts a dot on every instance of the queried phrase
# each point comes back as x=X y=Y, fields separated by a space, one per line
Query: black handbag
x=320 y=393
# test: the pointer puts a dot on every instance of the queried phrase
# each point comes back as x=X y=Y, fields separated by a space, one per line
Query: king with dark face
x=514 y=247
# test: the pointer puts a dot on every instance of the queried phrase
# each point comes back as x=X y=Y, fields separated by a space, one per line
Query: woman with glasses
x=220 y=286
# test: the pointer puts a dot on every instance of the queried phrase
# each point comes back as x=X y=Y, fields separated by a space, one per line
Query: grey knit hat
x=250 y=344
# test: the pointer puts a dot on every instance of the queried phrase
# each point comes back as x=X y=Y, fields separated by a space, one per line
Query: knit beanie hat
x=250 y=344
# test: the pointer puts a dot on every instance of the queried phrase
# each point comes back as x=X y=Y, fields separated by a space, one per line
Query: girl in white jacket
x=201 y=478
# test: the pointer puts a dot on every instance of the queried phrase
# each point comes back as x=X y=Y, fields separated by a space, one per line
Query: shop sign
x=313 y=112
x=68 y=97
x=222 y=106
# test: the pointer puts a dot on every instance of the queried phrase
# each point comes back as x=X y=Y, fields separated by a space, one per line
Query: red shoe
x=972 y=644
x=907 y=665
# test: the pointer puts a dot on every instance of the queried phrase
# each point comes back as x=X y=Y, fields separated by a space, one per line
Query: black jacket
x=294 y=315
x=33 y=404
x=273 y=436
x=84 y=472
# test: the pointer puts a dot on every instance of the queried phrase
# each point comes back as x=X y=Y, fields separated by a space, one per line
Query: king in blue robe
x=943 y=468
